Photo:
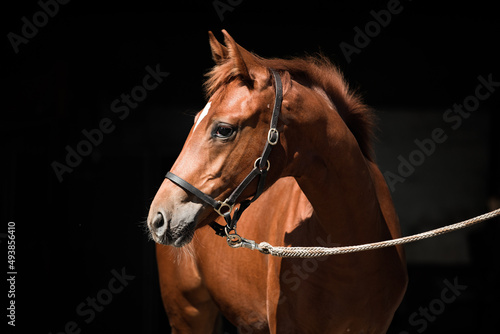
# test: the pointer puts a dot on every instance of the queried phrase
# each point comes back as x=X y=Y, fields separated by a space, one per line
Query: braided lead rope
x=310 y=252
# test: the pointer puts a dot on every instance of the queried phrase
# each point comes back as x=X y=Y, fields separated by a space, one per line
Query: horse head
x=227 y=137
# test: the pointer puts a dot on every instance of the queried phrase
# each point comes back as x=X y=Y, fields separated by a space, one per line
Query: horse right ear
x=219 y=51
x=246 y=64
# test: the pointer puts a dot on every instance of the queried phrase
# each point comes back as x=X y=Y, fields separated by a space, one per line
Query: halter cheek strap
x=261 y=167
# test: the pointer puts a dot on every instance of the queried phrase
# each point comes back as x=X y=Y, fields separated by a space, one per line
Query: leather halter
x=261 y=167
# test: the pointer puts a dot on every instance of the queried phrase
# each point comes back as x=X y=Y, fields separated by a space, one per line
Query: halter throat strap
x=261 y=167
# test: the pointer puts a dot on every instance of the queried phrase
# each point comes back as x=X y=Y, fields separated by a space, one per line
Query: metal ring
x=234 y=240
x=257 y=162
x=224 y=205
x=270 y=134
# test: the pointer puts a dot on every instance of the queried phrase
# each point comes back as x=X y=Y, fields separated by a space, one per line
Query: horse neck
x=335 y=176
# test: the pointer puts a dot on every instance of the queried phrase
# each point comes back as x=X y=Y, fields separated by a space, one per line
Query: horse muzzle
x=173 y=226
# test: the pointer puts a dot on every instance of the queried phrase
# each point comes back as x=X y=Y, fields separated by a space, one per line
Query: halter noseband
x=261 y=167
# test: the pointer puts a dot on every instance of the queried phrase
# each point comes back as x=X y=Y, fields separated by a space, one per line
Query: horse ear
x=246 y=64
x=219 y=51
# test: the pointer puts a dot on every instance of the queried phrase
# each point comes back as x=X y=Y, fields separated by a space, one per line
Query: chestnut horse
x=323 y=188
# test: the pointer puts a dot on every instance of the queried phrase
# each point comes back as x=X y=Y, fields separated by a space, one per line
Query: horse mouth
x=185 y=236
x=177 y=237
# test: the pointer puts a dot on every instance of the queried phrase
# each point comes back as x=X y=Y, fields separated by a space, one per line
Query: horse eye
x=223 y=131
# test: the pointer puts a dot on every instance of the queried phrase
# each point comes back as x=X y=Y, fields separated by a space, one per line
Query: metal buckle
x=224 y=205
x=257 y=162
x=270 y=134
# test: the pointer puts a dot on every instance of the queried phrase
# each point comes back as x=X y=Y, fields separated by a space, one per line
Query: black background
x=71 y=235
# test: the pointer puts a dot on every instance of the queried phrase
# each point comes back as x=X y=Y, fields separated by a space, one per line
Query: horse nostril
x=158 y=222
x=158 y=225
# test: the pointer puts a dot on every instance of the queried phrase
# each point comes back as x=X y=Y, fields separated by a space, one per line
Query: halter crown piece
x=261 y=167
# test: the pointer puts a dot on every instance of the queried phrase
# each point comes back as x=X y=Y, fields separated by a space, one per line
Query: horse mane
x=312 y=71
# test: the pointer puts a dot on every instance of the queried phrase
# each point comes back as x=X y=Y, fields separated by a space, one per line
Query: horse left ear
x=246 y=64
x=219 y=51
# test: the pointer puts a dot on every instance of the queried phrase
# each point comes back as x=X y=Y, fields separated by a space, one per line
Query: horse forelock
x=218 y=77
x=312 y=71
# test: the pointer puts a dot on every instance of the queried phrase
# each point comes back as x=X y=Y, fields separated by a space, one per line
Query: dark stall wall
x=99 y=98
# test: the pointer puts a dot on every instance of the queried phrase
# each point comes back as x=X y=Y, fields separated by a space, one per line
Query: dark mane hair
x=313 y=71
